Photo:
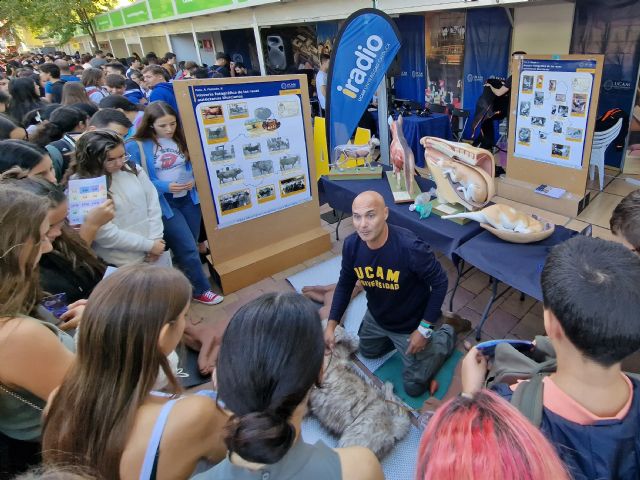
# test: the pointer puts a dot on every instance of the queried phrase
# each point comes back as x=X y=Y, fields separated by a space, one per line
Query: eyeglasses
x=125 y=157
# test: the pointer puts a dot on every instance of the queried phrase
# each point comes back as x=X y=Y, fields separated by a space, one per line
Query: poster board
x=251 y=144
x=553 y=111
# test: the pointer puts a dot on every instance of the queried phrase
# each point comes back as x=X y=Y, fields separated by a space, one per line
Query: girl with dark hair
x=160 y=147
x=71 y=267
x=24 y=98
x=30 y=157
x=93 y=82
x=5 y=99
x=74 y=92
x=271 y=356
x=58 y=135
x=35 y=355
x=35 y=117
x=9 y=130
x=135 y=233
x=120 y=428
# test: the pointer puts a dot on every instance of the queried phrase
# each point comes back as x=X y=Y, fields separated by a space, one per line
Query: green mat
x=391 y=371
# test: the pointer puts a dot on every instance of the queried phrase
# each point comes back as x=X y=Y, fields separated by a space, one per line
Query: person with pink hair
x=482 y=436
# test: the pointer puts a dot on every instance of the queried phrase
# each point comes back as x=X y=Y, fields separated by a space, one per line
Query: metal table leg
x=494 y=296
x=338 y=226
x=459 y=274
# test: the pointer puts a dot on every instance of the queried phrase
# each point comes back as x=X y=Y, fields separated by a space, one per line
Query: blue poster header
x=219 y=93
x=558 y=65
x=364 y=50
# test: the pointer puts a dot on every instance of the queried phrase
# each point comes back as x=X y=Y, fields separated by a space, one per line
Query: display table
x=518 y=265
x=414 y=128
x=442 y=235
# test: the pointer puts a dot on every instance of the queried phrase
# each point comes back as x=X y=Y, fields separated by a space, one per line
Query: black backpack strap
x=527 y=398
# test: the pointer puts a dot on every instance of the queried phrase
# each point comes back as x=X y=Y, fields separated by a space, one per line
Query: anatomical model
x=401 y=155
x=503 y=217
x=463 y=173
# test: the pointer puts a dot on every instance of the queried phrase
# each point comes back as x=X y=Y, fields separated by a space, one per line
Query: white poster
x=553 y=110
x=253 y=140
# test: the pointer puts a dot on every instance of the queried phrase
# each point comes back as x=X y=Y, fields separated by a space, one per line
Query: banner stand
x=253 y=121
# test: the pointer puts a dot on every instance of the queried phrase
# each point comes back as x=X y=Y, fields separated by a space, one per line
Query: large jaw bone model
x=463 y=174
x=401 y=155
x=503 y=217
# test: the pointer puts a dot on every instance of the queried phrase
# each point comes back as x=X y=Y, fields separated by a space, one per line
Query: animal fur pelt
x=354 y=410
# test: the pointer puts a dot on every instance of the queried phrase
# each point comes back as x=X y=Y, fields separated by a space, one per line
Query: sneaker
x=209 y=298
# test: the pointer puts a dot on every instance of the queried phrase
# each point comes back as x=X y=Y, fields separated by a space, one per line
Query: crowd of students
x=107 y=404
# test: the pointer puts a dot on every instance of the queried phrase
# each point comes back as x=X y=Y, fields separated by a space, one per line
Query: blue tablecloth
x=442 y=235
x=414 y=128
x=518 y=265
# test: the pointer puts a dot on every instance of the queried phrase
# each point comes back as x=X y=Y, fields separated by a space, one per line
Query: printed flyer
x=553 y=110
x=253 y=140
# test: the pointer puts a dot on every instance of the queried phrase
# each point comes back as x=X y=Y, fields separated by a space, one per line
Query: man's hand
x=329 y=334
x=474 y=371
x=417 y=343
x=73 y=315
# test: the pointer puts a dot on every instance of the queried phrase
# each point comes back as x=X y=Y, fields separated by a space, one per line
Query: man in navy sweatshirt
x=405 y=287
x=157 y=79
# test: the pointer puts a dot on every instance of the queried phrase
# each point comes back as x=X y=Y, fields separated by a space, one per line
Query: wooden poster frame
x=537 y=173
x=250 y=251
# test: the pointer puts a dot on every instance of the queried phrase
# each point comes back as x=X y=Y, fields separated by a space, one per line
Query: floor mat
x=391 y=371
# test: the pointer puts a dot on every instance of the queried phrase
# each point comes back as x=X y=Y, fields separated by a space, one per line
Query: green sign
x=116 y=19
x=160 y=9
x=103 y=22
x=191 y=6
x=137 y=13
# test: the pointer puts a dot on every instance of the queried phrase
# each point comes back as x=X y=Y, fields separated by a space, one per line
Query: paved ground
x=509 y=317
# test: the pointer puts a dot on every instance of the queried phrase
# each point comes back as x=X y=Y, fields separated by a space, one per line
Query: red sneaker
x=209 y=298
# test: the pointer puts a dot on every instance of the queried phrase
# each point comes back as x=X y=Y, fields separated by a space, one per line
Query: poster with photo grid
x=253 y=141
x=552 y=110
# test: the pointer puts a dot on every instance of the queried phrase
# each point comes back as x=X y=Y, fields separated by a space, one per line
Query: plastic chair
x=458 y=115
x=602 y=140
x=503 y=131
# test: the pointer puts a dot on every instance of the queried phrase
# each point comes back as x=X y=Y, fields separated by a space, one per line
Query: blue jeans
x=181 y=234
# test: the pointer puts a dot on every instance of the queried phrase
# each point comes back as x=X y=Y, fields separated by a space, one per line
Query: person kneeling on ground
x=591 y=409
x=405 y=287
x=271 y=357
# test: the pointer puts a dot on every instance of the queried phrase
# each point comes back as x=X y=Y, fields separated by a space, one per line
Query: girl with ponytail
x=271 y=357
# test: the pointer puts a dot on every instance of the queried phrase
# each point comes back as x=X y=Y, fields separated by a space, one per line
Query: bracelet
x=425 y=331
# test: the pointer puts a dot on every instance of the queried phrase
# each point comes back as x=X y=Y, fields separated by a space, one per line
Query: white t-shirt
x=321 y=79
x=170 y=164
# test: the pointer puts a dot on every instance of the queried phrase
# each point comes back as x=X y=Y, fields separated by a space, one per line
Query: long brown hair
x=91 y=154
x=153 y=112
x=21 y=215
x=74 y=92
x=116 y=365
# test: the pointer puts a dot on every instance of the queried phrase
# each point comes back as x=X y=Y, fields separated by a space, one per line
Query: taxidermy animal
x=472 y=185
x=354 y=410
x=401 y=155
x=355 y=152
x=503 y=217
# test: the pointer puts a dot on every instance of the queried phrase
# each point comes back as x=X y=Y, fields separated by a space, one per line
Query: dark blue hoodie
x=164 y=91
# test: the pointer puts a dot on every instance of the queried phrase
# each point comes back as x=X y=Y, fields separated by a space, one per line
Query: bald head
x=369 y=198
x=370 y=218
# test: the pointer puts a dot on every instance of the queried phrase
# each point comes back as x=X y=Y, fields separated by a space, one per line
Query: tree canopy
x=60 y=19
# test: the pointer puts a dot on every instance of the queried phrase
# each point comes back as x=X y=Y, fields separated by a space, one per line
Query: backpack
x=511 y=365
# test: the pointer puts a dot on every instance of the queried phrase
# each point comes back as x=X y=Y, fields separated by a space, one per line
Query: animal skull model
x=504 y=217
x=401 y=155
x=354 y=410
x=463 y=173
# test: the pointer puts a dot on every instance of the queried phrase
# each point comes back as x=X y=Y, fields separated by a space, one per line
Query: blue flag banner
x=366 y=45
x=486 y=53
x=410 y=85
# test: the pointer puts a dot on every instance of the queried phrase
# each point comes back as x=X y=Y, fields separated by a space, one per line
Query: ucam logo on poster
x=368 y=60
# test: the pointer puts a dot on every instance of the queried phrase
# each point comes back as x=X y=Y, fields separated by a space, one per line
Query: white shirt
x=170 y=164
x=321 y=79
